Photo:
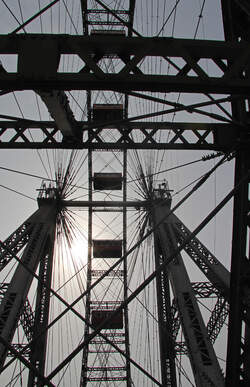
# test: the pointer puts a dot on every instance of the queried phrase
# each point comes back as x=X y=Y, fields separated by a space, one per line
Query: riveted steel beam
x=34 y=72
x=133 y=135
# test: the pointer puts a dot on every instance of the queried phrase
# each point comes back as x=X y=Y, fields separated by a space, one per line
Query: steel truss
x=202 y=357
x=127 y=135
x=31 y=75
x=102 y=368
x=236 y=25
x=37 y=234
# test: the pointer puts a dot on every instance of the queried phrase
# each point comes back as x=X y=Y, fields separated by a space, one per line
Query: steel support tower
x=107 y=320
x=101 y=368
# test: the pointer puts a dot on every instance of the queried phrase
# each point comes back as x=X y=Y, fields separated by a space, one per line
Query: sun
x=79 y=249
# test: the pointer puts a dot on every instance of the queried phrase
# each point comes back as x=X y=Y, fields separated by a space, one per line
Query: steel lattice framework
x=31 y=75
x=35 y=237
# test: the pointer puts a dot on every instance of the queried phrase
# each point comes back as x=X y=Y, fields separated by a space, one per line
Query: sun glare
x=79 y=250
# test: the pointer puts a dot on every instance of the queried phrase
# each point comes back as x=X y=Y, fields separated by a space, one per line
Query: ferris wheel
x=125 y=168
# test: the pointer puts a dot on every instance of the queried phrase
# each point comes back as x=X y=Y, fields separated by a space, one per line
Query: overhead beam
x=116 y=44
x=163 y=125
x=154 y=83
x=130 y=135
x=37 y=73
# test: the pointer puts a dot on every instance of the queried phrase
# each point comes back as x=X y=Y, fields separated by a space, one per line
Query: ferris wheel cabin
x=106 y=248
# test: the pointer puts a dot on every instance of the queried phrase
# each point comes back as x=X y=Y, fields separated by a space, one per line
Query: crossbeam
x=34 y=71
x=111 y=204
x=21 y=134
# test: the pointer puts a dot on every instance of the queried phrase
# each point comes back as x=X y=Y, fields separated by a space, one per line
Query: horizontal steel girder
x=133 y=135
x=35 y=71
x=108 y=204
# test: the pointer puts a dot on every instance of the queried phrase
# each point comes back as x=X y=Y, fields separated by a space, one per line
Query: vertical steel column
x=129 y=380
x=203 y=360
x=238 y=353
x=14 y=299
x=84 y=6
x=236 y=26
x=83 y=380
x=125 y=283
x=83 y=377
x=165 y=324
x=131 y=16
x=38 y=347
